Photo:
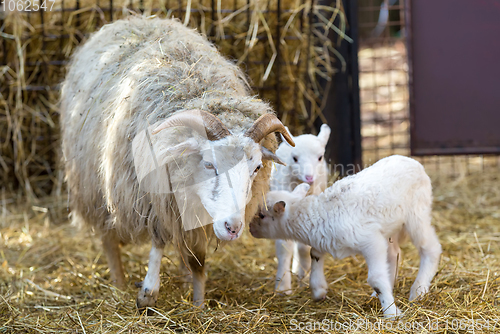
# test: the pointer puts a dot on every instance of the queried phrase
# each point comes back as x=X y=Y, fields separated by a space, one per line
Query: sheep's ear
x=301 y=190
x=324 y=134
x=279 y=207
x=268 y=155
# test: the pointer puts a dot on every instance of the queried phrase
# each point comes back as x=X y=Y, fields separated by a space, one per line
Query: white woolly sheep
x=304 y=163
x=368 y=213
x=138 y=74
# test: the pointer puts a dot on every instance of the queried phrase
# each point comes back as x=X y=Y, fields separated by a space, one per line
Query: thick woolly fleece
x=128 y=75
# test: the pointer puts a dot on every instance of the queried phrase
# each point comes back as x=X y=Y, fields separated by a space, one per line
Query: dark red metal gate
x=454 y=53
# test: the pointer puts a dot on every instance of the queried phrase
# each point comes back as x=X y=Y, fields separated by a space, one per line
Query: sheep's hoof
x=200 y=304
x=138 y=284
x=146 y=298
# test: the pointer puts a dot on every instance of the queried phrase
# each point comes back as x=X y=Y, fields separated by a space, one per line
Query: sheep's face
x=224 y=175
x=210 y=180
x=272 y=219
x=305 y=160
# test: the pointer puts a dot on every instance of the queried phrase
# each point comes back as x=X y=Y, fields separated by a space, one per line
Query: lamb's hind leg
x=375 y=255
x=150 y=287
x=317 y=281
x=394 y=257
x=429 y=250
x=111 y=246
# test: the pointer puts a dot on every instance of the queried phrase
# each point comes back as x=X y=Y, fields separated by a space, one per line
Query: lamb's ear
x=279 y=207
x=268 y=155
x=301 y=190
x=324 y=134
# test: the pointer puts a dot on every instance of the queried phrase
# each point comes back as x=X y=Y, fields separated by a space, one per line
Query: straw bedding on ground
x=55 y=278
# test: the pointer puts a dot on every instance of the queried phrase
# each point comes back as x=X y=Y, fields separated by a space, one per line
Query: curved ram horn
x=265 y=125
x=200 y=121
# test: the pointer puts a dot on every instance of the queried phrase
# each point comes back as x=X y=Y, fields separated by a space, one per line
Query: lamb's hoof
x=374 y=294
x=283 y=292
x=146 y=298
x=319 y=295
x=283 y=288
x=393 y=313
x=419 y=292
x=138 y=284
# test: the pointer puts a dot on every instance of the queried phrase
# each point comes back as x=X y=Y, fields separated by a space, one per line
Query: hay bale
x=284 y=53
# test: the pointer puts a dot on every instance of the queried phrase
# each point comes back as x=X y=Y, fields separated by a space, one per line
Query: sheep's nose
x=233 y=228
x=309 y=179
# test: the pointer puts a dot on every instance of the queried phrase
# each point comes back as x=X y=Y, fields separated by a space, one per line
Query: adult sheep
x=141 y=78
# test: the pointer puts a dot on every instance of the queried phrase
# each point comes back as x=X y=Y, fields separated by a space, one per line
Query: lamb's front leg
x=284 y=251
x=317 y=281
x=151 y=285
x=375 y=255
x=301 y=261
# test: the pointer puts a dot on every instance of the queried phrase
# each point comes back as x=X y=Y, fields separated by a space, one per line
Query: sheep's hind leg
x=150 y=287
x=317 y=281
x=284 y=251
x=375 y=255
x=111 y=246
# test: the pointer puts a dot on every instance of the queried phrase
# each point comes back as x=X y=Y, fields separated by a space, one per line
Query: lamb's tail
x=422 y=233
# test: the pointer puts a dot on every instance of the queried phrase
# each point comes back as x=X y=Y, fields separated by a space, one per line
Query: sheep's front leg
x=195 y=258
x=317 y=280
x=197 y=265
x=375 y=255
x=151 y=285
x=111 y=246
x=284 y=251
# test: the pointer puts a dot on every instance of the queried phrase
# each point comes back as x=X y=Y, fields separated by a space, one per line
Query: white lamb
x=367 y=213
x=304 y=163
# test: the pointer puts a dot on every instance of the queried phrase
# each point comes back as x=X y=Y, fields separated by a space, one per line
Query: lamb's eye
x=208 y=165
x=295 y=159
x=320 y=158
x=261 y=216
x=257 y=168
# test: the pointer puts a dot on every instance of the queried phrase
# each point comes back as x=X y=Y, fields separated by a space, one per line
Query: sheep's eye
x=295 y=159
x=320 y=158
x=261 y=216
x=208 y=165
x=257 y=168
